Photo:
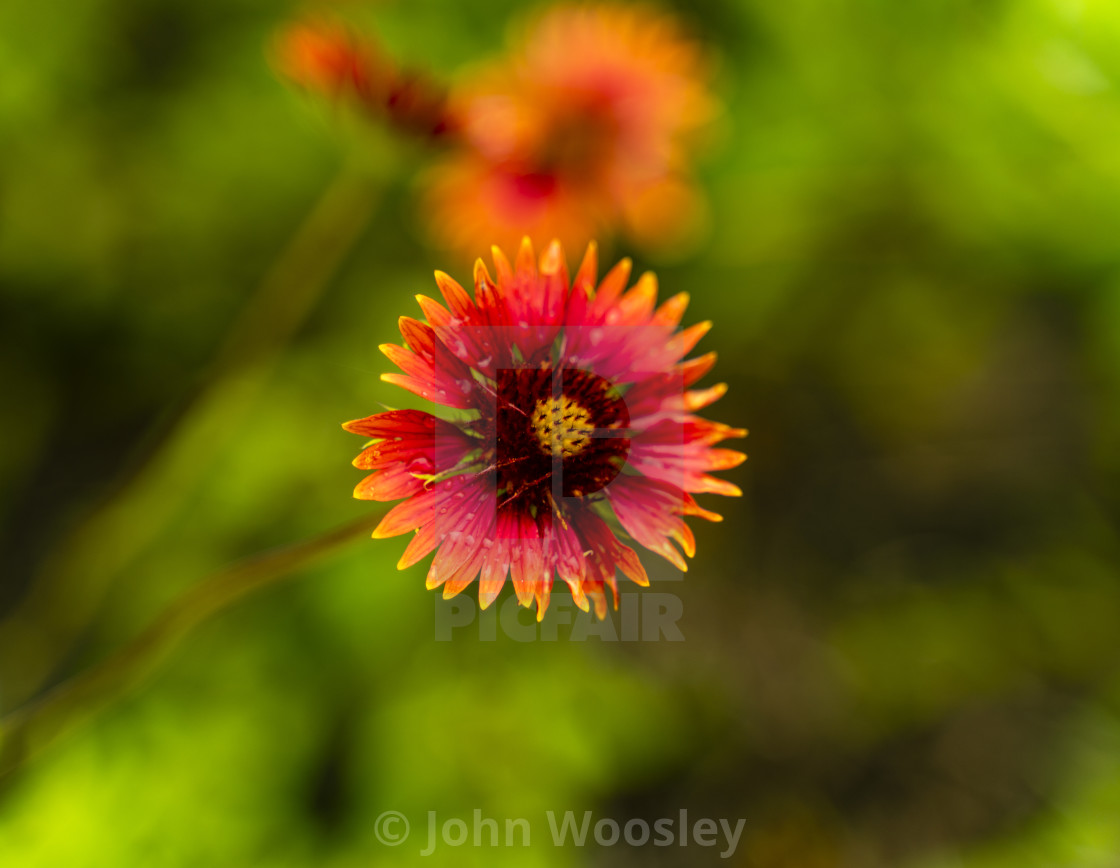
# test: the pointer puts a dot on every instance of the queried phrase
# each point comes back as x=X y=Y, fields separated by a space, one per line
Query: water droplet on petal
x=421 y=464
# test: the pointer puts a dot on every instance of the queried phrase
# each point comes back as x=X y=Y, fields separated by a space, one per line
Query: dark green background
x=901 y=645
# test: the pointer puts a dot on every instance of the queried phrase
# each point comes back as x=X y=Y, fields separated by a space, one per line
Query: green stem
x=29 y=729
x=69 y=589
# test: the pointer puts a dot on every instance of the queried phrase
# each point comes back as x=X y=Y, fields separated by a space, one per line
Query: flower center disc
x=565 y=426
x=562 y=426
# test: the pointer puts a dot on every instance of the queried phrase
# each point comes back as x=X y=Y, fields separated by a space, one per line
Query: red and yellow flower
x=586 y=128
x=329 y=60
x=566 y=420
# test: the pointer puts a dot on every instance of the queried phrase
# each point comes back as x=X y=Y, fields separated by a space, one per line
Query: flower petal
x=650 y=511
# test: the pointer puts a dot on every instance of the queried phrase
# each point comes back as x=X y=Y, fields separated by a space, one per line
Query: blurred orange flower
x=585 y=130
x=328 y=60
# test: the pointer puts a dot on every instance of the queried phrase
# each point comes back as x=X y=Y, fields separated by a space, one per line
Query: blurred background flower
x=585 y=129
x=330 y=60
x=537 y=144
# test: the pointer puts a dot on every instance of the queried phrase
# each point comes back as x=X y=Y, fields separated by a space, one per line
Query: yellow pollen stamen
x=562 y=426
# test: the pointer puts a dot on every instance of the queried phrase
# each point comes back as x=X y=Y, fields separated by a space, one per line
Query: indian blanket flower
x=329 y=60
x=565 y=422
x=586 y=128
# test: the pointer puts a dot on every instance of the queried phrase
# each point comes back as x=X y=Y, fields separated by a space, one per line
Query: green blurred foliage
x=901 y=643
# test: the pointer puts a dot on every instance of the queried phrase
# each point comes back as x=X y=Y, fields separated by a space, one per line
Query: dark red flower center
x=580 y=138
x=559 y=431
